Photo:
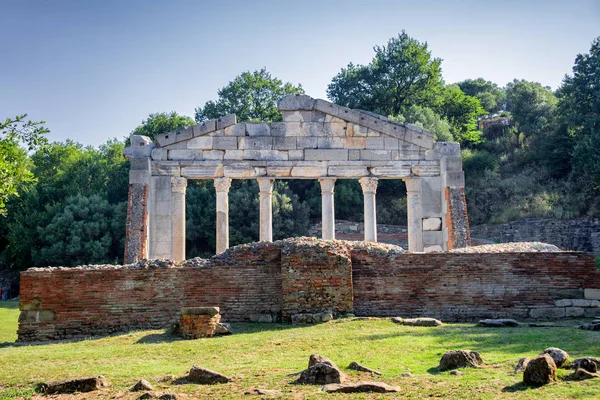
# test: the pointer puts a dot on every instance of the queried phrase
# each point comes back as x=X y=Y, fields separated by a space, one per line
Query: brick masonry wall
x=470 y=286
x=316 y=278
x=307 y=275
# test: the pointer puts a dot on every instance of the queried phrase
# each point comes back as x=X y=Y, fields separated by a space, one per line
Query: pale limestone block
x=159 y=154
x=226 y=121
x=166 y=168
x=432 y=238
x=355 y=142
x=205 y=127
x=185 y=155
x=375 y=143
x=253 y=129
x=276 y=129
x=353 y=155
x=184 y=134
x=286 y=129
x=447 y=149
x=375 y=155
x=260 y=171
x=454 y=179
x=563 y=303
x=369 y=188
x=309 y=170
x=292 y=116
x=330 y=142
x=326 y=107
x=392 y=171
x=313 y=129
x=394 y=130
x=296 y=155
x=347 y=171
x=295 y=102
x=213 y=154
x=426 y=168
x=349 y=115
x=327 y=209
x=234 y=155
x=389 y=143
x=336 y=129
x=326 y=154
x=266 y=155
x=139 y=176
x=279 y=171
x=303 y=116
x=235 y=130
x=255 y=143
x=333 y=118
x=266 y=209
x=372 y=133
x=177 y=146
x=359 y=130
x=574 y=312
x=201 y=143
x=432 y=224
x=207 y=171
x=408 y=152
x=451 y=164
x=307 y=142
x=284 y=143
x=581 y=302
x=419 y=139
x=225 y=143
x=592 y=294
x=239 y=171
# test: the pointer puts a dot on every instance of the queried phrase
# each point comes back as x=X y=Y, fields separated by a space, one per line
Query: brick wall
x=307 y=275
x=469 y=286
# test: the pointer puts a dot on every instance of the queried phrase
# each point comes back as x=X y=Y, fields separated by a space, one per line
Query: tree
x=462 y=111
x=14 y=165
x=426 y=118
x=492 y=97
x=401 y=74
x=163 y=122
x=252 y=96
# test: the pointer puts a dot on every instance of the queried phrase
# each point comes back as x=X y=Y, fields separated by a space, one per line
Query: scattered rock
x=312 y=318
x=168 y=396
x=497 y=323
x=594 y=326
x=264 y=392
x=582 y=374
x=536 y=325
x=360 y=387
x=514 y=247
x=82 y=385
x=147 y=396
x=223 y=328
x=321 y=374
x=398 y=320
x=142 y=385
x=406 y=374
x=205 y=376
x=422 y=322
x=454 y=359
x=540 y=371
x=521 y=365
x=590 y=364
x=357 y=367
x=455 y=372
x=315 y=359
x=559 y=356
x=167 y=378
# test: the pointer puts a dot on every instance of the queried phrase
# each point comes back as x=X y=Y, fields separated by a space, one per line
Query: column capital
x=266 y=185
x=222 y=184
x=178 y=185
x=369 y=185
x=327 y=185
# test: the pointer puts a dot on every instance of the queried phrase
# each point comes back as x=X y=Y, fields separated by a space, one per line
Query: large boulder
x=540 y=371
x=83 y=385
x=497 y=323
x=321 y=374
x=454 y=359
x=205 y=376
x=590 y=364
x=559 y=356
x=360 y=387
x=315 y=359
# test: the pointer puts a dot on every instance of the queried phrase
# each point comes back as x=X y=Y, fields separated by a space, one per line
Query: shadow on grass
x=517 y=387
x=9 y=304
x=434 y=371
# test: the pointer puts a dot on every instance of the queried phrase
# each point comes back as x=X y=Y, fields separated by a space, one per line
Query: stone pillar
x=266 y=209
x=415 y=214
x=136 y=234
x=327 y=209
x=369 y=188
x=178 y=187
x=222 y=186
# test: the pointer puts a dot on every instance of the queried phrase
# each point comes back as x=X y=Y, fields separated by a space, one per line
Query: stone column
x=369 y=188
x=178 y=187
x=327 y=209
x=415 y=214
x=136 y=234
x=266 y=209
x=222 y=186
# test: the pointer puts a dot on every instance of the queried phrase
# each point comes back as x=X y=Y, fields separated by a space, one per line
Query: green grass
x=263 y=356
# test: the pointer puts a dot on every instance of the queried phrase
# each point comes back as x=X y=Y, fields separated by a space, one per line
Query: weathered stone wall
x=457 y=219
x=317 y=277
x=307 y=275
x=577 y=235
x=469 y=286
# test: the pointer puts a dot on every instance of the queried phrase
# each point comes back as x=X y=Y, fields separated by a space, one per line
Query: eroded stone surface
x=540 y=371
x=558 y=356
x=496 y=323
x=205 y=376
x=357 y=367
x=321 y=374
x=454 y=359
x=82 y=385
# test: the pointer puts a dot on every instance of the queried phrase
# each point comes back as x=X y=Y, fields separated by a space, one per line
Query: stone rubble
x=357 y=367
x=558 y=356
x=454 y=359
x=83 y=385
x=205 y=376
x=495 y=323
x=540 y=371
x=142 y=385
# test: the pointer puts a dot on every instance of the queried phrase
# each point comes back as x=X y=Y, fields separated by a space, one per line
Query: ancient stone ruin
x=316 y=140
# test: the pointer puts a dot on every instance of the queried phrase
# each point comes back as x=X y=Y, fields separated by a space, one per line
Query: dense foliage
x=527 y=151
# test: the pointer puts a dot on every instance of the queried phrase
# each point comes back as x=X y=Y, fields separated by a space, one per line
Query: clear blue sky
x=95 y=69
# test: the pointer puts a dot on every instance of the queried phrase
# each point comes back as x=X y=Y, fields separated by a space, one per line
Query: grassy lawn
x=264 y=355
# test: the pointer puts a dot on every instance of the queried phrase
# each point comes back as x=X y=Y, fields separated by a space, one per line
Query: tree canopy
x=162 y=122
x=251 y=96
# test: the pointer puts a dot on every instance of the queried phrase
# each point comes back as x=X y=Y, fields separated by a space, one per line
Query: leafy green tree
x=14 y=165
x=252 y=96
x=401 y=74
x=462 y=111
x=491 y=97
x=163 y=122
x=427 y=118
x=83 y=230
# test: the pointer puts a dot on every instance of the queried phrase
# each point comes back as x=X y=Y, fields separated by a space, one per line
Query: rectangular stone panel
x=266 y=155
x=202 y=171
x=235 y=130
x=258 y=129
x=325 y=154
x=284 y=143
x=347 y=171
x=256 y=143
x=355 y=142
x=202 y=142
x=375 y=155
x=225 y=143
x=307 y=142
x=330 y=143
x=185 y=155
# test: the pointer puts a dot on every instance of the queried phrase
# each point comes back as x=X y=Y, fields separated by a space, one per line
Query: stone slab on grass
x=83 y=385
x=497 y=323
x=205 y=376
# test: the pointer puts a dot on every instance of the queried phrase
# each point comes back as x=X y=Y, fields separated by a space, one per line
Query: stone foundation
x=308 y=276
x=198 y=322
